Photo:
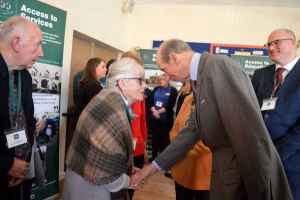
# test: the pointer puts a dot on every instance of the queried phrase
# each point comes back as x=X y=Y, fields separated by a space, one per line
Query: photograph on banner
x=46 y=107
x=45 y=78
x=46 y=98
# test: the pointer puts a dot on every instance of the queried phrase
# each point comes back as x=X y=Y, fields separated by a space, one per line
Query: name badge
x=158 y=104
x=15 y=138
x=269 y=104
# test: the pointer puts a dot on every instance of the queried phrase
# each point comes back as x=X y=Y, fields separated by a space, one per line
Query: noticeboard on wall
x=251 y=63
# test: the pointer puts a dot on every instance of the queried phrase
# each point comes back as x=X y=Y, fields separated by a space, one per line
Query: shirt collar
x=194 y=66
x=124 y=99
x=290 y=65
x=130 y=113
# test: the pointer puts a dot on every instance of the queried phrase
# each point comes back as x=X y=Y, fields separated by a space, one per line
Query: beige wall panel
x=81 y=52
x=105 y=53
x=207 y=23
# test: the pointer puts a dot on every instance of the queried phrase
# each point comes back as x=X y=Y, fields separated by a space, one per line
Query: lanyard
x=15 y=106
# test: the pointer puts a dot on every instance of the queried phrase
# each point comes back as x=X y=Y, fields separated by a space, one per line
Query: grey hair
x=124 y=68
x=173 y=46
x=288 y=31
x=12 y=25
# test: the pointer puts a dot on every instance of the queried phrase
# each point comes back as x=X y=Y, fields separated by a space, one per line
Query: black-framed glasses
x=276 y=42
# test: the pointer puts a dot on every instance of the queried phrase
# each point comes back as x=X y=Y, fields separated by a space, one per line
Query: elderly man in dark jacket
x=20 y=47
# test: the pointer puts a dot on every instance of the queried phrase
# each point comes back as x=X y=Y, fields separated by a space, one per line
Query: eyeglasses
x=276 y=42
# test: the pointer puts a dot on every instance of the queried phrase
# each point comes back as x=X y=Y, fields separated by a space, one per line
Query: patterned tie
x=278 y=79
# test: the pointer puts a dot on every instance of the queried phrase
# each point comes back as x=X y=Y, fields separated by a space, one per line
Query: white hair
x=124 y=68
x=15 y=24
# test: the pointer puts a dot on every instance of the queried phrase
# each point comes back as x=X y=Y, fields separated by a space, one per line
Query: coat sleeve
x=143 y=122
x=239 y=112
x=6 y=160
x=6 y=155
x=284 y=125
x=179 y=147
x=256 y=81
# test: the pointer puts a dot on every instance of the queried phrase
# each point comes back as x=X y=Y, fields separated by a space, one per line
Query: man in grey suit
x=227 y=118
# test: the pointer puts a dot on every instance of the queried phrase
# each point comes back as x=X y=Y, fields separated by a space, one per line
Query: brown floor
x=158 y=187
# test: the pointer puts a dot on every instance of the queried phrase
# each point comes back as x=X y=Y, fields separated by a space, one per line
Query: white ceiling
x=284 y=3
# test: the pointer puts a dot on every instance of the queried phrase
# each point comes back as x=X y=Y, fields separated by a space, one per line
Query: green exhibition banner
x=50 y=19
x=46 y=82
x=149 y=58
x=52 y=22
x=251 y=63
x=8 y=8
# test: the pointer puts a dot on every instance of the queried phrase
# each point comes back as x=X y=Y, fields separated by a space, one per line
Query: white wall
x=99 y=19
x=204 y=23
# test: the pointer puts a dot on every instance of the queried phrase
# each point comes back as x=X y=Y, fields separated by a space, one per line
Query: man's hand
x=40 y=125
x=140 y=176
x=19 y=168
x=135 y=170
x=162 y=110
x=155 y=112
x=14 y=182
x=146 y=159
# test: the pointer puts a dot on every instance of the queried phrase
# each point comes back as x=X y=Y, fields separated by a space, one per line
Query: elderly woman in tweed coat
x=100 y=155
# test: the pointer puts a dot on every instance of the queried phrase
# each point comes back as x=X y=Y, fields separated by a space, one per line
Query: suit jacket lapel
x=198 y=90
x=201 y=67
x=291 y=82
x=268 y=80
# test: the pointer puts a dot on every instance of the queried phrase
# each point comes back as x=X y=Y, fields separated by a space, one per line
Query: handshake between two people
x=139 y=176
x=135 y=181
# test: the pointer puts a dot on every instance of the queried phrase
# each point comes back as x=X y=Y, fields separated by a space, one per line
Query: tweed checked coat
x=246 y=165
x=101 y=149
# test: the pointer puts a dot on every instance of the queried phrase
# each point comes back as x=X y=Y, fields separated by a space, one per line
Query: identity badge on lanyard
x=15 y=136
x=269 y=104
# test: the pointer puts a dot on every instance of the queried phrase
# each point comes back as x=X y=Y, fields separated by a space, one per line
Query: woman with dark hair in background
x=103 y=79
x=89 y=84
